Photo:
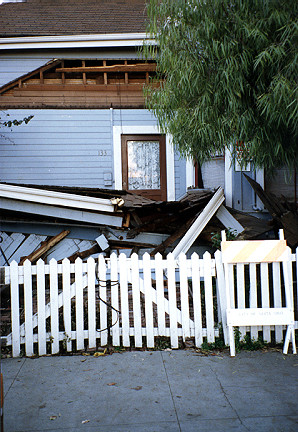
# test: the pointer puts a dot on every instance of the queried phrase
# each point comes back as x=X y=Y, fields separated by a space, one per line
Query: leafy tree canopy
x=228 y=71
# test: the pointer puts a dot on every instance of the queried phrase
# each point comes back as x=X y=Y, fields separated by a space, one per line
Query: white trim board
x=142 y=130
x=112 y=219
x=200 y=223
x=76 y=41
x=42 y=196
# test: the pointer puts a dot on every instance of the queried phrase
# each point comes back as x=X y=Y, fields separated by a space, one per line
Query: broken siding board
x=228 y=220
x=18 y=240
x=28 y=246
x=62 y=250
x=34 y=256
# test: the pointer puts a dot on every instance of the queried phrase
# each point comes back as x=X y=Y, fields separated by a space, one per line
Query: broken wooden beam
x=138 y=67
x=286 y=219
x=45 y=246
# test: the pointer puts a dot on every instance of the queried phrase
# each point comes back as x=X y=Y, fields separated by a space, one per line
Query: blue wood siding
x=58 y=147
x=69 y=148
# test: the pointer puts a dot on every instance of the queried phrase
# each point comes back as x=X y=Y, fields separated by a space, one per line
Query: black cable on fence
x=103 y=284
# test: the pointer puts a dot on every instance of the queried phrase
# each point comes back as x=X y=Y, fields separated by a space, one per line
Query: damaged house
x=91 y=171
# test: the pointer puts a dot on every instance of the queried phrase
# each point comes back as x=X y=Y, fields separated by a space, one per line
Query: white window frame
x=142 y=130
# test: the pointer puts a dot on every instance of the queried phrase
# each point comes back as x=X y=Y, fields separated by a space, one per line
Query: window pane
x=143 y=165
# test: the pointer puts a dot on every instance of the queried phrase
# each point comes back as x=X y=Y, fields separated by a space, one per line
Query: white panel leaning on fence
x=154 y=297
x=243 y=289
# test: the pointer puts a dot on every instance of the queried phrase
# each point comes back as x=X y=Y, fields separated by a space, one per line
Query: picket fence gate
x=129 y=302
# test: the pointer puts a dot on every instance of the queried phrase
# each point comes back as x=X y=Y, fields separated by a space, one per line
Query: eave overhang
x=111 y=40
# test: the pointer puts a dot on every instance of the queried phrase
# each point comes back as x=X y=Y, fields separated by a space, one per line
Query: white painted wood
x=112 y=219
x=41 y=303
x=228 y=220
x=253 y=298
x=66 y=302
x=265 y=297
x=15 y=313
x=124 y=300
x=184 y=296
x=208 y=297
x=160 y=294
x=196 y=293
x=79 y=305
x=172 y=300
x=277 y=297
x=190 y=173
x=148 y=301
x=241 y=294
x=92 y=302
x=106 y=40
x=28 y=309
x=260 y=316
x=221 y=290
x=139 y=130
x=42 y=196
x=115 y=299
x=54 y=307
x=103 y=299
x=136 y=300
x=199 y=224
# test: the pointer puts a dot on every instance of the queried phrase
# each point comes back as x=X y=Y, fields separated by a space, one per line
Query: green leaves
x=230 y=74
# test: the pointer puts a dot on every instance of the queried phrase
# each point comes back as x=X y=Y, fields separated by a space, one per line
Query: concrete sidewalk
x=152 y=392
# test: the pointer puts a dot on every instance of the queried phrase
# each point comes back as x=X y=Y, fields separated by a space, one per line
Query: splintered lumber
x=139 y=67
x=175 y=236
x=84 y=254
x=286 y=218
x=45 y=246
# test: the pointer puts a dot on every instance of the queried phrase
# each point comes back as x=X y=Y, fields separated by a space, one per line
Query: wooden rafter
x=18 y=81
x=139 y=67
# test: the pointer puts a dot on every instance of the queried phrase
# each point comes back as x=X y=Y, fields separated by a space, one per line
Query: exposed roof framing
x=81 y=83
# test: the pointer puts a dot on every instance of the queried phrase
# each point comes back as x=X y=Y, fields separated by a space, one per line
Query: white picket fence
x=119 y=300
x=149 y=298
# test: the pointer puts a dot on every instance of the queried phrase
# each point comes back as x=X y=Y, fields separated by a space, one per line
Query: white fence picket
x=79 y=304
x=124 y=300
x=136 y=296
x=196 y=294
x=54 y=306
x=115 y=300
x=28 y=308
x=66 y=302
x=148 y=301
x=15 y=308
x=103 y=296
x=160 y=295
x=41 y=307
x=172 y=300
x=184 y=296
x=208 y=297
x=91 y=302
